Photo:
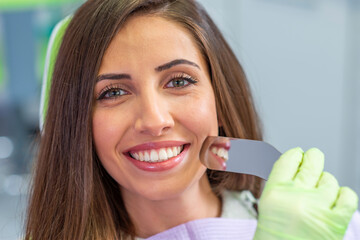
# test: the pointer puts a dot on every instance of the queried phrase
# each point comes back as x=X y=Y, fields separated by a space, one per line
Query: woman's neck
x=151 y=217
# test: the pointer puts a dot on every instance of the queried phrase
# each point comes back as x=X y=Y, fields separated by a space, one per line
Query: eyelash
x=182 y=76
x=117 y=88
x=108 y=89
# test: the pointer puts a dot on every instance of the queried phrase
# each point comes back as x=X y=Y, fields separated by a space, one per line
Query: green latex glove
x=300 y=201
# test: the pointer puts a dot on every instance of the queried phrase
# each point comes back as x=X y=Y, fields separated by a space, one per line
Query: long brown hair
x=72 y=195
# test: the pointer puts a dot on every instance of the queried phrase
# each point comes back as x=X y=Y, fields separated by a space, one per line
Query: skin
x=151 y=109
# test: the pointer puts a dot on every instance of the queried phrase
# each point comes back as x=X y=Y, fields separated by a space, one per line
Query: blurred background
x=25 y=28
x=301 y=57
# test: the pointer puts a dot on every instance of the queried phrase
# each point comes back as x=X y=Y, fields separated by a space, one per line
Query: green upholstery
x=15 y=5
x=51 y=54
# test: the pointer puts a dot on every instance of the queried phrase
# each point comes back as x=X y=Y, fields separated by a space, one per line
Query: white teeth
x=157 y=155
x=162 y=154
x=154 y=156
x=214 y=150
x=136 y=156
x=141 y=156
x=221 y=152
x=169 y=153
x=174 y=149
x=146 y=156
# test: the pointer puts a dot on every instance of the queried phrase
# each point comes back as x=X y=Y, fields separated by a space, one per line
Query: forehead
x=151 y=39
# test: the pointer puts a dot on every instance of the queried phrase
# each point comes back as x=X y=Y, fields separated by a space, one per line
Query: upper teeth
x=157 y=155
x=221 y=152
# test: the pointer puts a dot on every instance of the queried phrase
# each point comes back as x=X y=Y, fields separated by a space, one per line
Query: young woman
x=137 y=87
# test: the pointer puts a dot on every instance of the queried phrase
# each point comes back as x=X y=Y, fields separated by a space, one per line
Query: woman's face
x=154 y=108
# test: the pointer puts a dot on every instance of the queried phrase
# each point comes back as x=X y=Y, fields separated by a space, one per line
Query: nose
x=154 y=117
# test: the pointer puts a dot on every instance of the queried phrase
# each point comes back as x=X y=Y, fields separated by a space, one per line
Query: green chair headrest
x=51 y=54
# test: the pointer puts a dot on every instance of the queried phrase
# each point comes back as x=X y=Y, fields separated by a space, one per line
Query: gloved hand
x=300 y=201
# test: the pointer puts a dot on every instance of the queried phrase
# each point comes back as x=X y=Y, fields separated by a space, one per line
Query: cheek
x=100 y=127
x=200 y=116
x=106 y=132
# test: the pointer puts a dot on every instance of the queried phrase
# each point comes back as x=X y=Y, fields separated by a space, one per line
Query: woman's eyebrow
x=175 y=62
x=112 y=76
x=115 y=76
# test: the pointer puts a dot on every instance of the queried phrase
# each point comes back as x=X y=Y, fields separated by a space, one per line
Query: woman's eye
x=112 y=93
x=180 y=82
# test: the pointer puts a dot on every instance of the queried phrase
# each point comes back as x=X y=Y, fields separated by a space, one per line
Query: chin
x=173 y=188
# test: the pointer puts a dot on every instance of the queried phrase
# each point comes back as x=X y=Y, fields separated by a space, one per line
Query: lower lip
x=221 y=162
x=160 y=166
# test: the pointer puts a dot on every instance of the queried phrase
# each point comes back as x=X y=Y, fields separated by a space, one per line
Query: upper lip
x=154 y=145
x=225 y=145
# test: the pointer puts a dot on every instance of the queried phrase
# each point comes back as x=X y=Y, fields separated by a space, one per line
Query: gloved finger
x=329 y=188
x=311 y=168
x=347 y=201
x=286 y=166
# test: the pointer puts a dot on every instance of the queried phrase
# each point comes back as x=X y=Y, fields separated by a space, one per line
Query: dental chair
x=51 y=54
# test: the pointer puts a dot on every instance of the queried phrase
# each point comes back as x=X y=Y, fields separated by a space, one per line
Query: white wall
x=301 y=58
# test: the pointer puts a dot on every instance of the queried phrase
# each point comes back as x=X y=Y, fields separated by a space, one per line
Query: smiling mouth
x=220 y=152
x=156 y=155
